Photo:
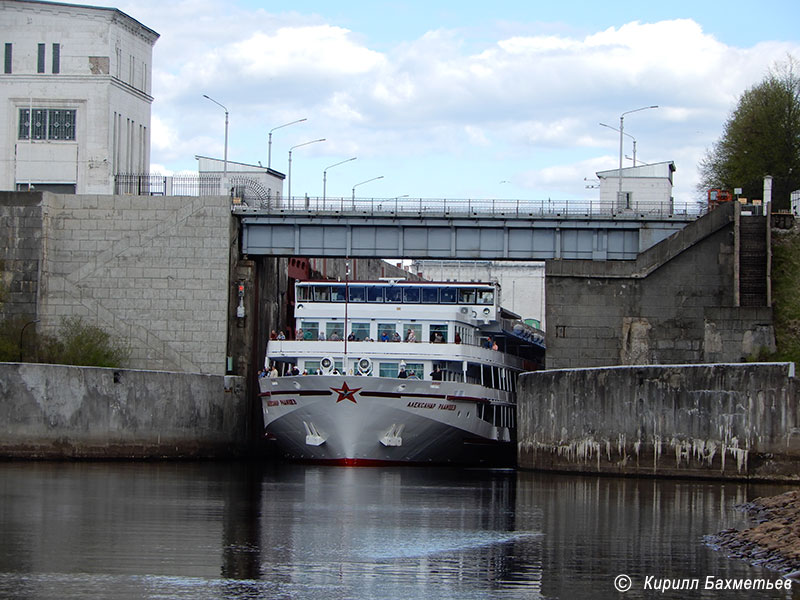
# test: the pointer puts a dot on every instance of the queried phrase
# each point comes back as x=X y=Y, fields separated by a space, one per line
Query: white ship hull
x=367 y=420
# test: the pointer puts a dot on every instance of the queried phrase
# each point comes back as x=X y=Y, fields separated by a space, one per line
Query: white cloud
x=525 y=102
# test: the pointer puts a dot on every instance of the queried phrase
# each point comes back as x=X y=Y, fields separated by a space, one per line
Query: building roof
x=152 y=33
x=662 y=169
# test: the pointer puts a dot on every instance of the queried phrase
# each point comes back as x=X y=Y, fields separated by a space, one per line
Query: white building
x=75 y=95
x=243 y=180
x=642 y=185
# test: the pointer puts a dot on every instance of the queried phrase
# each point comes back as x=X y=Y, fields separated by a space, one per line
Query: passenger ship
x=398 y=372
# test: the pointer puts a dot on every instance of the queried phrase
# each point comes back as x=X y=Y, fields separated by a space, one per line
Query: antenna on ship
x=346 y=301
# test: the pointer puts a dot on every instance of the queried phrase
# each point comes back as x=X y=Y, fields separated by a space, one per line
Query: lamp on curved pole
x=325 y=176
x=225 y=167
x=621 y=132
x=289 y=195
x=362 y=183
x=629 y=135
x=24 y=327
x=269 y=144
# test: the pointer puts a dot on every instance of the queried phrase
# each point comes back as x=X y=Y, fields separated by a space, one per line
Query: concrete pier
x=730 y=421
x=57 y=411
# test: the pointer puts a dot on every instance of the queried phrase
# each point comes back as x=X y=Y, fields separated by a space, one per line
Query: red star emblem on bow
x=345 y=393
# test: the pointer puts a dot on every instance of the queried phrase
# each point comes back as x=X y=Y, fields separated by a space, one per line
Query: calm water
x=237 y=531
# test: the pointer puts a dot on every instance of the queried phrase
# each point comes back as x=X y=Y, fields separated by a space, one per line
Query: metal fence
x=249 y=197
x=447 y=207
x=167 y=185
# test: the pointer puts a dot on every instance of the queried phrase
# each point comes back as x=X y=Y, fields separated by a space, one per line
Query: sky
x=455 y=99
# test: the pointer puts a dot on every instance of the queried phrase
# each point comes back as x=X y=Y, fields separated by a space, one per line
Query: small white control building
x=641 y=185
x=75 y=96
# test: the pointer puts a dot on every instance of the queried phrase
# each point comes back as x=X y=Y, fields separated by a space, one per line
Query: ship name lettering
x=272 y=403
x=421 y=405
x=447 y=407
x=288 y=401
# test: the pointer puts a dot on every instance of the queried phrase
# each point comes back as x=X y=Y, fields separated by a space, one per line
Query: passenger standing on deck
x=411 y=336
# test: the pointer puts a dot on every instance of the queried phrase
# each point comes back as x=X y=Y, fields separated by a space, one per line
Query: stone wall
x=153 y=271
x=56 y=411
x=738 y=421
x=677 y=303
x=20 y=252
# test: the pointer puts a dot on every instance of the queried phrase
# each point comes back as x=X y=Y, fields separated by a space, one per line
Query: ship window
x=466 y=296
x=310 y=330
x=411 y=295
x=388 y=369
x=389 y=329
x=438 y=334
x=304 y=293
x=430 y=295
x=322 y=293
x=360 y=331
x=394 y=294
x=485 y=296
x=357 y=293
x=416 y=370
x=375 y=293
x=447 y=295
x=416 y=328
x=337 y=293
x=333 y=331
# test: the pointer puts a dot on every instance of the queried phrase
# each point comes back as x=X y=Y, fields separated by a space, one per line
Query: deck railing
x=249 y=197
x=450 y=207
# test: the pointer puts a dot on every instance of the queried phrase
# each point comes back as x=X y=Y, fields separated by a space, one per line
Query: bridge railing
x=447 y=207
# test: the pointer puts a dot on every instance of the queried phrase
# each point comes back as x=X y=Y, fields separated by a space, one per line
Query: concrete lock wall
x=57 y=411
x=738 y=421
x=675 y=304
x=150 y=270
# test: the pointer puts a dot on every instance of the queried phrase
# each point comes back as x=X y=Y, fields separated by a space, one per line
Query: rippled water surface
x=236 y=531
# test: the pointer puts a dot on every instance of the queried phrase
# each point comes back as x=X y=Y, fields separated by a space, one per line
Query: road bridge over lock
x=457 y=229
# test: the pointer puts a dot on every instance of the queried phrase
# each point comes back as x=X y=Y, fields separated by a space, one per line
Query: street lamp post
x=362 y=183
x=289 y=176
x=325 y=177
x=629 y=135
x=225 y=165
x=269 y=144
x=621 y=133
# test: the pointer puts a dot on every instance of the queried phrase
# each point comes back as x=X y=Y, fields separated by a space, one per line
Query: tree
x=761 y=137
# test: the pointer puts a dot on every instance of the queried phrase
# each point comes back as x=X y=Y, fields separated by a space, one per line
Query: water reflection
x=213 y=530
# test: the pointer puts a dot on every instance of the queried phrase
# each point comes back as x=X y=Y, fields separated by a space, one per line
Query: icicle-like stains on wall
x=738 y=421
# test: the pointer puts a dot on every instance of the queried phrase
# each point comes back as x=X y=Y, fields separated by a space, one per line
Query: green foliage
x=78 y=343
x=786 y=299
x=761 y=137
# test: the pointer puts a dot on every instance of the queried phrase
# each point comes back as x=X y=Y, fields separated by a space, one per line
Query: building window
x=47 y=124
x=8 y=59
x=40 y=61
x=56 y=58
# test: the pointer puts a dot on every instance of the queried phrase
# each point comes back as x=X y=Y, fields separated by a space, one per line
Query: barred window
x=56 y=58
x=47 y=124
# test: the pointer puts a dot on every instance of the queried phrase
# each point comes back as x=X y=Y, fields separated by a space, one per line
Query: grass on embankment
x=786 y=294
